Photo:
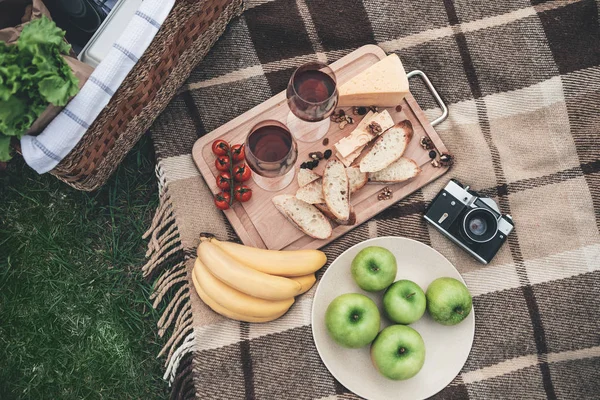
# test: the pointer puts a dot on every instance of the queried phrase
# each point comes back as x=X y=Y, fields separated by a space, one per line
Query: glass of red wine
x=271 y=153
x=312 y=96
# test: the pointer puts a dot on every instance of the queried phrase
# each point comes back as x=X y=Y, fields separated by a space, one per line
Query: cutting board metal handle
x=435 y=94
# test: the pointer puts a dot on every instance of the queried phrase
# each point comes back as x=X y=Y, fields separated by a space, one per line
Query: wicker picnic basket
x=188 y=33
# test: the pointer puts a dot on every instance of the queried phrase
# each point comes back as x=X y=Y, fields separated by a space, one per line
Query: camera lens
x=480 y=225
x=477 y=226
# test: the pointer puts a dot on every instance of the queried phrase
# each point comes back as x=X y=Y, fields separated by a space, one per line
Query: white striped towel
x=45 y=151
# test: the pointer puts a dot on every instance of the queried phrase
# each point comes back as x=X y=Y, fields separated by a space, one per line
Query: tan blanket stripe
x=522 y=83
x=389 y=46
x=513 y=240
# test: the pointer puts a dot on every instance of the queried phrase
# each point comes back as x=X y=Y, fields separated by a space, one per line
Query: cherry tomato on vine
x=222 y=163
x=237 y=152
x=241 y=173
x=220 y=147
x=224 y=181
x=222 y=200
x=242 y=193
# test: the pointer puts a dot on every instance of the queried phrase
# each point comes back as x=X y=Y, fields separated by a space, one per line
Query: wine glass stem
x=274 y=184
x=305 y=131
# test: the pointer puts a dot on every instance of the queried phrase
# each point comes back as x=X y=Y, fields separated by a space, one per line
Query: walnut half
x=374 y=128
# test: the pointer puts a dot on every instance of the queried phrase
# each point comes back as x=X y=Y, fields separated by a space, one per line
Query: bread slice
x=327 y=212
x=389 y=147
x=400 y=170
x=356 y=178
x=306 y=176
x=304 y=216
x=336 y=190
x=366 y=131
x=311 y=193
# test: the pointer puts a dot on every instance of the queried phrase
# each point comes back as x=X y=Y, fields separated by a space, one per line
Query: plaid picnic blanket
x=522 y=80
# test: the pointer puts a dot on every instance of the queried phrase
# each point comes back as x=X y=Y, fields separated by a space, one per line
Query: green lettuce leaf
x=33 y=75
x=56 y=90
x=40 y=35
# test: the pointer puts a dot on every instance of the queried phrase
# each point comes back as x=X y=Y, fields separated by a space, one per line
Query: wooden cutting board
x=257 y=222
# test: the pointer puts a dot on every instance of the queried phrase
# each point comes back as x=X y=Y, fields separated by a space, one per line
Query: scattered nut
x=327 y=154
x=426 y=143
x=343 y=124
x=374 y=128
x=316 y=155
x=325 y=141
x=338 y=116
x=435 y=163
x=446 y=160
x=432 y=154
x=374 y=108
x=398 y=108
x=385 y=194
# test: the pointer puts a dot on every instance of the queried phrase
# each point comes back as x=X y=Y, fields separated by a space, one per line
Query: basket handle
x=435 y=94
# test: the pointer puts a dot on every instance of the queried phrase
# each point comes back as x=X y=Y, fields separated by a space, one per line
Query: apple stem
x=411 y=295
x=402 y=350
x=355 y=317
x=460 y=312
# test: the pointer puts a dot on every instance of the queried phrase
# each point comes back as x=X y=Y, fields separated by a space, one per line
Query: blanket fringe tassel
x=167 y=258
x=172 y=286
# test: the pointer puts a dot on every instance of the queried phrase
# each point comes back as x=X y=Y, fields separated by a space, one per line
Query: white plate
x=446 y=347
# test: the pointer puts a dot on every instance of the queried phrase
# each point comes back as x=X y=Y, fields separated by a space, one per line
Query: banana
x=243 y=278
x=306 y=281
x=236 y=301
x=219 y=309
x=275 y=262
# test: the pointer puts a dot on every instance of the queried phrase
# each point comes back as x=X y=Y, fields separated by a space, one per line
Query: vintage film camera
x=474 y=223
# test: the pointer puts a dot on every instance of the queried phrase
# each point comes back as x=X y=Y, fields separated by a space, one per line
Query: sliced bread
x=304 y=216
x=311 y=193
x=366 y=131
x=325 y=210
x=336 y=190
x=400 y=170
x=356 y=178
x=306 y=176
x=389 y=147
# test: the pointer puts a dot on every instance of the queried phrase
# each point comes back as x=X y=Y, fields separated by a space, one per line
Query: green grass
x=75 y=319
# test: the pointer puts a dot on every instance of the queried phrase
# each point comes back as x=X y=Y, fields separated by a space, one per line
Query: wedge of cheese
x=383 y=84
x=363 y=123
x=347 y=161
x=363 y=135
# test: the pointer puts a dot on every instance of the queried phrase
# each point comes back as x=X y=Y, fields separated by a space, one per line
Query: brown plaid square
x=513 y=55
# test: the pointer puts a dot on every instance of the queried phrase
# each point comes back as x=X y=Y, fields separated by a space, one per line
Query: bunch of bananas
x=249 y=284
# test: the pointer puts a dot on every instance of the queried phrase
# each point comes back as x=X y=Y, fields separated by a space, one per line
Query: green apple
x=404 y=302
x=448 y=301
x=352 y=320
x=398 y=352
x=374 y=268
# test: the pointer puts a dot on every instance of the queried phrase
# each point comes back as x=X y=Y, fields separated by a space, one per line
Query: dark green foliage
x=75 y=319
